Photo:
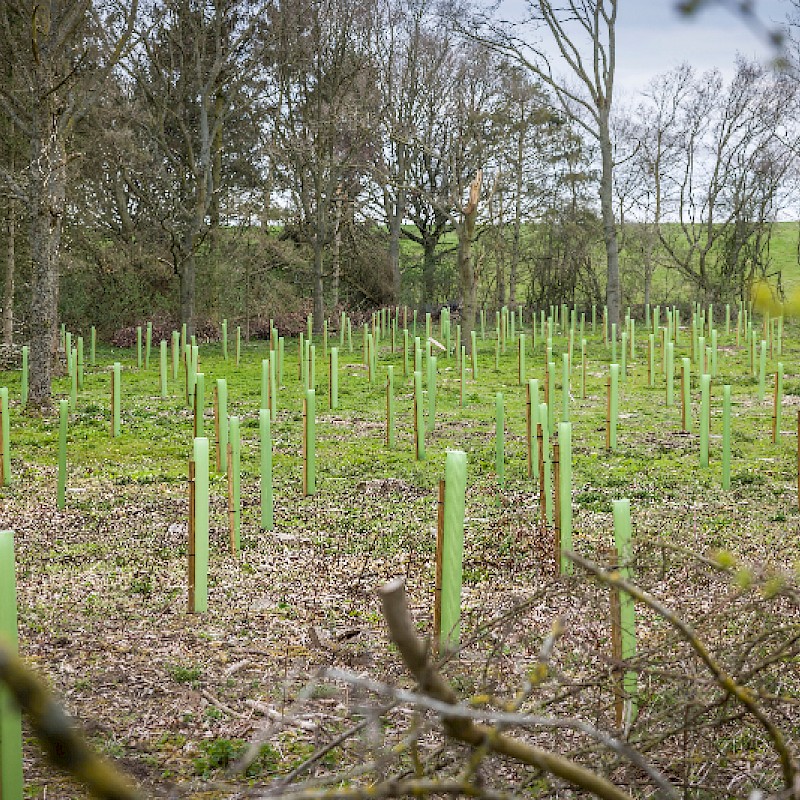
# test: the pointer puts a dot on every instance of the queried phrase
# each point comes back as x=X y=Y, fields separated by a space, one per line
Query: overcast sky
x=652 y=38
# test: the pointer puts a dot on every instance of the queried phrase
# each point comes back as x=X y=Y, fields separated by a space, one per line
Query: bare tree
x=58 y=53
x=716 y=162
x=583 y=33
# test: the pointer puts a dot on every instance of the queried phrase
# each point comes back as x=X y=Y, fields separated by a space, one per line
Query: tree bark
x=8 y=286
x=187 y=290
x=613 y=291
x=466 y=267
x=47 y=191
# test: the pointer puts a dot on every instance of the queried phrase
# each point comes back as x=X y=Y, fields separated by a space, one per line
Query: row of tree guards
x=549 y=465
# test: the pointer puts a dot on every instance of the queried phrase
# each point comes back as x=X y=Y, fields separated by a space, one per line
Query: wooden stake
x=437 y=598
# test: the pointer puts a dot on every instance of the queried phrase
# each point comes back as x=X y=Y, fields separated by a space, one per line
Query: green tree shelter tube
x=686 y=367
x=11 y=781
x=139 y=346
x=453 y=547
x=162 y=371
x=176 y=349
x=613 y=406
x=726 y=437
x=265 y=440
x=235 y=471
x=116 y=398
x=309 y=439
x=547 y=462
x=431 y=393
x=63 y=419
x=199 y=404
x=499 y=438
x=419 y=417
x=622 y=539
x=221 y=422
x=762 y=372
x=565 y=494
x=200 y=454
x=705 y=413
x=390 y=407
x=148 y=344
x=93 y=346
x=25 y=375
x=333 y=378
x=224 y=337
x=670 y=374
x=264 y=397
x=565 y=387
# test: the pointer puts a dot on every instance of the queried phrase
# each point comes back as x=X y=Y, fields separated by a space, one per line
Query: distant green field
x=667 y=284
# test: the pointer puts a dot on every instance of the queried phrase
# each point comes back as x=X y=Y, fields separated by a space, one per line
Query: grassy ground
x=102 y=587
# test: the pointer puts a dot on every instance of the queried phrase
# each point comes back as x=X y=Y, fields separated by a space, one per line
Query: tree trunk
x=187 y=291
x=613 y=292
x=395 y=223
x=336 y=253
x=319 y=295
x=429 y=269
x=8 y=287
x=47 y=190
x=466 y=267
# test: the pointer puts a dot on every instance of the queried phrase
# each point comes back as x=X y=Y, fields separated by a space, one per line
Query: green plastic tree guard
x=622 y=539
x=390 y=407
x=176 y=349
x=565 y=387
x=139 y=346
x=73 y=380
x=310 y=472
x=453 y=548
x=264 y=398
x=419 y=417
x=224 y=337
x=500 y=440
x=162 y=368
x=11 y=780
x=762 y=372
x=726 y=437
x=222 y=425
x=93 y=346
x=199 y=404
x=148 y=344
x=431 y=393
x=201 y=452
x=705 y=409
x=80 y=363
x=333 y=378
x=547 y=461
x=116 y=398
x=565 y=493
x=265 y=440
x=235 y=471
x=63 y=418
x=473 y=354
x=614 y=411
x=776 y=425
x=670 y=374
x=25 y=375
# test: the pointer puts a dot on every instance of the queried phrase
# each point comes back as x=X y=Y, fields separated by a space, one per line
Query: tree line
x=192 y=159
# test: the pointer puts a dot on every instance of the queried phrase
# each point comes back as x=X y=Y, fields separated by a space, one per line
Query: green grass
x=112 y=567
